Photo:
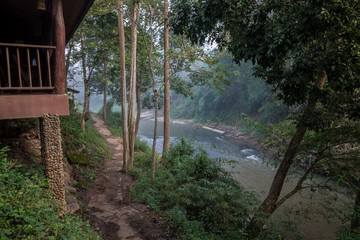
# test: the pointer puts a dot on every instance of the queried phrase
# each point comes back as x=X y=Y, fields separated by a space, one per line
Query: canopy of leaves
x=291 y=42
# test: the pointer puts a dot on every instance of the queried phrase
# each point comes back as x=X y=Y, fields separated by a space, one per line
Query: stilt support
x=51 y=153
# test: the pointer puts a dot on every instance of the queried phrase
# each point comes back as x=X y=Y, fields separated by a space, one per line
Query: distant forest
x=224 y=92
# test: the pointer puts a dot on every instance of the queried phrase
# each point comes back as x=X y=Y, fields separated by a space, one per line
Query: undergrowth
x=200 y=199
x=90 y=143
x=26 y=209
x=113 y=122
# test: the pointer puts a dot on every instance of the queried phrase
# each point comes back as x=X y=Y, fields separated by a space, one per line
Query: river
x=251 y=171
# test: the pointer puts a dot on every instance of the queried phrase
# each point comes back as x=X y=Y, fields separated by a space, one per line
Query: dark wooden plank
x=26 y=45
x=29 y=66
x=33 y=105
x=48 y=66
x=27 y=88
x=8 y=66
x=39 y=66
x=18 y=65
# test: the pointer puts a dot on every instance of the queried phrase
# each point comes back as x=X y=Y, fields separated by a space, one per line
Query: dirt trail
x=111 y=215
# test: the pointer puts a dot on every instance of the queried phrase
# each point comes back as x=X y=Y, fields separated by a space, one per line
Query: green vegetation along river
x=249 y=168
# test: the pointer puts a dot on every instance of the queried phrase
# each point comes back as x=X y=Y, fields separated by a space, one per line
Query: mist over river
x=251 y=171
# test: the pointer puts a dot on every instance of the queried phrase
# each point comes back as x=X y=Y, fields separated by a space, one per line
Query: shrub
x=199 y=197
x=26 y=209
x=114 y=122
x=141 y=146
x=347 y=234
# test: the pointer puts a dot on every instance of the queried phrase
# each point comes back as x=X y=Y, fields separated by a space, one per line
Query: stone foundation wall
x=52 y=156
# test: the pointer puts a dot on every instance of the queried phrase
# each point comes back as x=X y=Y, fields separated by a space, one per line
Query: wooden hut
x=33 y=35
x=32 y=55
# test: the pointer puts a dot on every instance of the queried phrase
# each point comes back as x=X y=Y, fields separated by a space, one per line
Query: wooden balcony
x=27 y=87
x=25 y=67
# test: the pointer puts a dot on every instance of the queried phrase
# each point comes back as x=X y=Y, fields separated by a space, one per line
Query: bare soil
x=112 y=213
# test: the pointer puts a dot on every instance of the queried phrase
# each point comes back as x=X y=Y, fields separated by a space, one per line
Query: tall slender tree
x=86 y=83
x=166 y=80
x=68 y=57
x=124 y=115
x=134 y=17
x=139 y=83
x=150 y=47
x=105 y=88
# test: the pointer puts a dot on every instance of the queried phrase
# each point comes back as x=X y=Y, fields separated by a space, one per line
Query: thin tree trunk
x=135 y=11
x=269 y=204
x=124 y=116
x=109 y=105
x=105 y=90
x=73 y=96
x=86 y=85
x=67 y=64
x=166 y=81
x=138 y=104
x=153 y=158
x=150 y=49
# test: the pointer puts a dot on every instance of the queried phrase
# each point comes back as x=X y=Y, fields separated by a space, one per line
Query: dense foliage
x=26 y=209
x=225 y=91
x=199 y=197
x=90 y=143
x=292 y=44
x=309 y=51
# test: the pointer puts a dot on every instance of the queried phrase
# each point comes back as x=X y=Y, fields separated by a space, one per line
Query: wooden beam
x=33 y=105
x=25 y=45
x=26 y=88
x=59 y=75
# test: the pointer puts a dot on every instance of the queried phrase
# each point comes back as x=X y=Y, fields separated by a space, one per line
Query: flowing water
x=251 y=171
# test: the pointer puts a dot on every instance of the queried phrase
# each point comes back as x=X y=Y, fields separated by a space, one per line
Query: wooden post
x=59 y=75
x=8 y=66
x=29 y=66
x=39 y=66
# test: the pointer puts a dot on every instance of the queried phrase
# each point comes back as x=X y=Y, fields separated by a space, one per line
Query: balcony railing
x=25 y=67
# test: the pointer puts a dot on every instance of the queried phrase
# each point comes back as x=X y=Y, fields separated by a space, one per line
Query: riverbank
x=249 y=169
x=230 y=131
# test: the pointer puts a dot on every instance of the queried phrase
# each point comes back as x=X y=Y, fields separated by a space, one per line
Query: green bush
x=114 y=122
x=26 y=209
x=199 y=197
x=141 y=146
x=347 y=234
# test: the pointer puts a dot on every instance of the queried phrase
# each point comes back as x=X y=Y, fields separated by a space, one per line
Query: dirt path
x=111 y=213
